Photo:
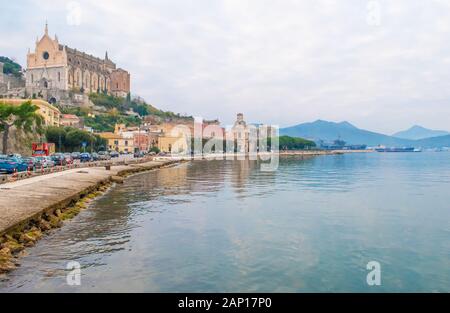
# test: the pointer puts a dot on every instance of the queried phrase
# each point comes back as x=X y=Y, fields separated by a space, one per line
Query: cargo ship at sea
x=396 y=149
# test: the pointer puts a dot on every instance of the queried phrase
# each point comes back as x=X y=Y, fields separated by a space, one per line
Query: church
x=54 y=70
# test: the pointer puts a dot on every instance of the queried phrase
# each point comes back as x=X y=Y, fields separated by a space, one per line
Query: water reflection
x=226 y=226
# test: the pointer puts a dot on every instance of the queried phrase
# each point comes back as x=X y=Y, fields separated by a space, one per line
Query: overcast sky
x=382 y=65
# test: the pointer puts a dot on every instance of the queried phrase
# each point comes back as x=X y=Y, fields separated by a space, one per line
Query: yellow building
x=50 y=114
x=118 y=143
x=123 y=139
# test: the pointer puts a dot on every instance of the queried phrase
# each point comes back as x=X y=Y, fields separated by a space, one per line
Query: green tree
x=11 y=67
x=23 y=117
x=76 y=137
x=294 y=143
x=154 y=149
x=72 y=139
x=57 y=135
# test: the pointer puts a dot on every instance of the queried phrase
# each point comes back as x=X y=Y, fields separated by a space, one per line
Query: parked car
x=95 y=156
x=31 y=162
x=103 y=155
x=139 y=154
x=69 y=159
x=22 y=164
x=11 y=164
x=85 y=157
x=59 y=159
x=7 y=166
x=49 y=161
x=114 y=154
x=44 y=161
x=75 y=155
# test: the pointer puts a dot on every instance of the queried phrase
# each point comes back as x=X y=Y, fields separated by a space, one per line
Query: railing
x=5 y=178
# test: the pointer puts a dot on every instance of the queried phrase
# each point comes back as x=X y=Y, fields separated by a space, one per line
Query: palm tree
x=23 y=117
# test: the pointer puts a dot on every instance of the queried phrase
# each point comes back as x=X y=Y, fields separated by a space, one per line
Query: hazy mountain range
x=320 y=130
x=418 y=132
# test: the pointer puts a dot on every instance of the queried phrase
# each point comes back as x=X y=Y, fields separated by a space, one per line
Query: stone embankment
x=33 y=206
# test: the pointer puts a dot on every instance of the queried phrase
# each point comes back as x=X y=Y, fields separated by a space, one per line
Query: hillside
x=418 y=132
x=434 y=142
x=11 y=67
x=109 y=110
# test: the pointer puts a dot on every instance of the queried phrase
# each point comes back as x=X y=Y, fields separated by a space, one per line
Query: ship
x=397 y=149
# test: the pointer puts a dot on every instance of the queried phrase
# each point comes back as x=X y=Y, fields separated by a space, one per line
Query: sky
x=383 y=65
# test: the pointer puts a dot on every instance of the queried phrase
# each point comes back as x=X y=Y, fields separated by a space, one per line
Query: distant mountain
x=433 y=142
x=330 y=131
x=418 y=132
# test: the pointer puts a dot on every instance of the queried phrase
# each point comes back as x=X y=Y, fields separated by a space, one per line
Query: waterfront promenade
x=22 y=200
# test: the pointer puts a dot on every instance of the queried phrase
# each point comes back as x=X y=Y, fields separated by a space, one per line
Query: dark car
x=75 y=155
x=85 y=157
x=114 y=154
x=59 y=159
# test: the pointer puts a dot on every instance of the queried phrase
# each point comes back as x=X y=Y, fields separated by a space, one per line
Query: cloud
x=281 y=62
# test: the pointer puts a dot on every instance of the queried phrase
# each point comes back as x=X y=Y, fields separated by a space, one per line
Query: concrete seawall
x=33 y=206
x=26 y=199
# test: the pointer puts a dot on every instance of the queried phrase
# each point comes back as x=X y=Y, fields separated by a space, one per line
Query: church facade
x=54 y=69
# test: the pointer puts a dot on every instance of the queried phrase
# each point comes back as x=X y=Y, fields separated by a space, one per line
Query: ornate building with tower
x=54 y=69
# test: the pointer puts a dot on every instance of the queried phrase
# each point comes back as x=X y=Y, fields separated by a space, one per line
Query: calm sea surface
x=225 y=226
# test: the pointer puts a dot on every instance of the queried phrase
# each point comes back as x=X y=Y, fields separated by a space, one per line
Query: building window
x=116 y=142
x=126 y=142
x=59 y=76
x=32 y=78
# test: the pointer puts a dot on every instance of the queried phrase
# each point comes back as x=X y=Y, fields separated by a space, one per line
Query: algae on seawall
x=27 y=232
x=14 y=242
